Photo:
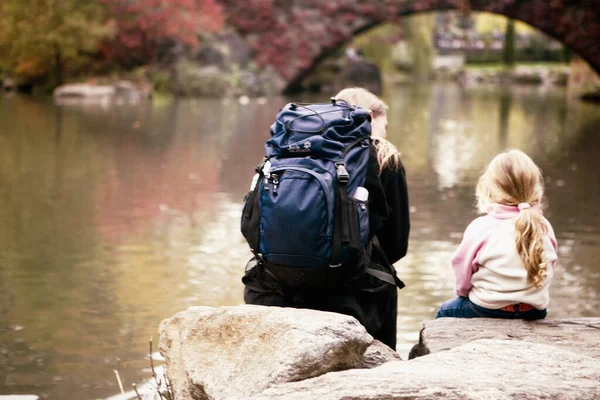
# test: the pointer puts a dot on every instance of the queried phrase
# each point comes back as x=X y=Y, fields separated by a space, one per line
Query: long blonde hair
x=511 y=179
x=387 y=154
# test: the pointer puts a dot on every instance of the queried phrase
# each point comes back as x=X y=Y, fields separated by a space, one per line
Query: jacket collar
x=502 y=211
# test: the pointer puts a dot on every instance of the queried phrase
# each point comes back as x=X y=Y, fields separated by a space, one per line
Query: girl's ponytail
x=531 y=229
x=513 y=179
x=387 y=154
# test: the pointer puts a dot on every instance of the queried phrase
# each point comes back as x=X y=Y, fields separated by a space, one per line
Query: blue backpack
x=300 y=212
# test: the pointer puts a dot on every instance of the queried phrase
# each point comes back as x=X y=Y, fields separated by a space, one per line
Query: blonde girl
x=505 y=262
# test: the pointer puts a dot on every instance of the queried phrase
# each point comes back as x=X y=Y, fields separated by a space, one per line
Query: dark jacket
x=389 y=216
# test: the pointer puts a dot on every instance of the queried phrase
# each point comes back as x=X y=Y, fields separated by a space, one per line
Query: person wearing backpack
x=328 y=214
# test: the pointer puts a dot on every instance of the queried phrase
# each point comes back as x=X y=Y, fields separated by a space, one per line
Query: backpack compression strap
x=341 y=232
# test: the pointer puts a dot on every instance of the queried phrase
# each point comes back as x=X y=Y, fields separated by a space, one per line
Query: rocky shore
x=254 y=352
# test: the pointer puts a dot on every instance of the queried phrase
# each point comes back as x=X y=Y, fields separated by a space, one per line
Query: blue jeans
x=462 y=307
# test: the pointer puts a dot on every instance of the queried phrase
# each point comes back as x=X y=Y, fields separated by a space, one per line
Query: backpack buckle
x=342 y=172
x=261 y=164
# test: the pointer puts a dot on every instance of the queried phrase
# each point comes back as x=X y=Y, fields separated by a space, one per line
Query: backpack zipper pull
x=275 y=182
x=267 y=174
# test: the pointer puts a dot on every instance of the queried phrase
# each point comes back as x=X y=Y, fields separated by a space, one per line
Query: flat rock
x=83 y=90
x=485 y=369
x=579 y=335
x=213 y=353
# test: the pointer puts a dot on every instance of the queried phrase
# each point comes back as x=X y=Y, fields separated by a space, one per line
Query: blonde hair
x=387 y=154
x=513 y=178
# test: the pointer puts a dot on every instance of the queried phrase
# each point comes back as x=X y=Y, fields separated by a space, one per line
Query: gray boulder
x=192 y=80
x=213 y=353
x=378 y=354
x=579 y=335
x=123 y=91
x=482 y=370
x=83 y=90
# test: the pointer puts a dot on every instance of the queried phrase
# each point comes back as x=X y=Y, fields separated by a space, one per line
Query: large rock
x=83 y=90
x=212 y=353
x=484 y=369
x=222 y=66
x=123 y=91
x=378 y=354
x=579 y=335
x=193 y=80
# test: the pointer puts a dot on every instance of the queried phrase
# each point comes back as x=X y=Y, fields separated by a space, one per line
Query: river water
x=114 y=217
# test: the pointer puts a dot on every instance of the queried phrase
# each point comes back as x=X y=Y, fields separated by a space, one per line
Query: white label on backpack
x=254 y=181
x=300 y=147
x=361 y=194
x=267 y=168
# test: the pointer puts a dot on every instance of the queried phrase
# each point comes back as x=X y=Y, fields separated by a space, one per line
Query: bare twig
x=136 y=391
x=158 y=381
x=170 y=394
x=119 y=380
x=151 y=362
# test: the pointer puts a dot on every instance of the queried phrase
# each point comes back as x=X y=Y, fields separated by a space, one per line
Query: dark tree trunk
x=509 y=44
x=59 y=66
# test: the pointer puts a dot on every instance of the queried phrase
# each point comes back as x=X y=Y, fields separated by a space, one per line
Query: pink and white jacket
x=488 y=268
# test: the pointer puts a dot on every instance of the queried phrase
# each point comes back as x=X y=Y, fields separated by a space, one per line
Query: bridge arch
x=292 y=36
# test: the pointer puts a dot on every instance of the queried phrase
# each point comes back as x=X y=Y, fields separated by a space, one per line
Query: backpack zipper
x=275 y=182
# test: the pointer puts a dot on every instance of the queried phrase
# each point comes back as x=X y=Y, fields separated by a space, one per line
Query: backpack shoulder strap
x=391 y=278
x=341 y=232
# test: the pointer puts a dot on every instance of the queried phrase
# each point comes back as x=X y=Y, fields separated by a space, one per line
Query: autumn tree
x=145 y=28
x=40 y=38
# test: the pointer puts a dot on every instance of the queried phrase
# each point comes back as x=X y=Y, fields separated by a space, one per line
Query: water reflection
x=112 y=219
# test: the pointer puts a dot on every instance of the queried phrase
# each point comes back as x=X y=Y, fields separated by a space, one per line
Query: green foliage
x=160 y=81
x=377 y=44
x=407 y=46
x=419 y=30
x=192 y=80
x=42 y=36
x=489 y=23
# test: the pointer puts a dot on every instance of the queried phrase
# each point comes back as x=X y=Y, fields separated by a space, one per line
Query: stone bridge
x=292 y=36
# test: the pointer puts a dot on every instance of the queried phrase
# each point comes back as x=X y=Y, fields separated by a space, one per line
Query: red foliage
x=144 y=25
x=251 y=15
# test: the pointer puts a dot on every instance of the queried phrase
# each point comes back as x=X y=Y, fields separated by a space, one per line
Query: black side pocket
x=359 y=220
x=251 y=219
x=354 y=226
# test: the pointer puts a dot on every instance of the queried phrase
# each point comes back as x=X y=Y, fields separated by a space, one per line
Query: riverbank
x=191 y=80
x=188 y=78
x=281 y=353
x=542 y=74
